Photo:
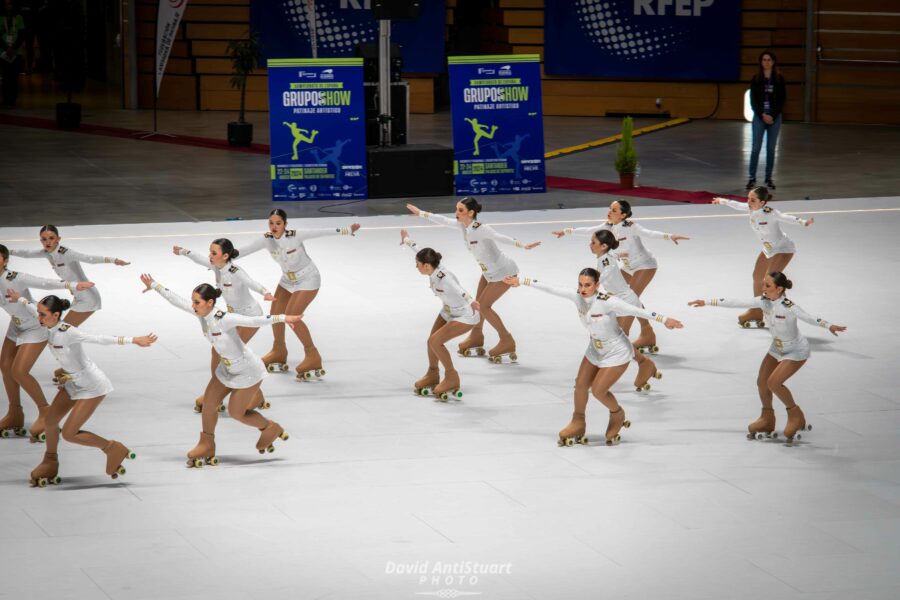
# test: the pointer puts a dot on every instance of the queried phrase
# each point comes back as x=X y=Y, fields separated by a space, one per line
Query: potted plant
x=626 y=157
x=245 y=56
x=70 y=72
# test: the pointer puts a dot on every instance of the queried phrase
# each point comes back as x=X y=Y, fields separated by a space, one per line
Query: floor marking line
x=499 y=224
x=613 y=138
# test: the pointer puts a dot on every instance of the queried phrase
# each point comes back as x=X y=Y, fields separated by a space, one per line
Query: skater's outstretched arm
x=308 y=234
x=741 y=206
x=495 y=235
x=620 y=307
x=780 y=216
x=581 y=231
x=808 y=318
x=173 y=298
x=407 y=241
x=252 y=284
x=660 y=235
x=198 y=258
x=254 y=246
x=27 y=253
x=77 y=336
x=554 y=290
x=33 y=281
x=232 y=320
x=439 y=219
x=94 y=259
x=728 y=303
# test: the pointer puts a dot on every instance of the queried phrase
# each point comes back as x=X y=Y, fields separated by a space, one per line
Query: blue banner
x=283 y=28
x=318 y=138
x=658 y=39
x=498 y=130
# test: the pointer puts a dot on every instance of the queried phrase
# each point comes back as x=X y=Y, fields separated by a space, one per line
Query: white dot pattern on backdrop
x=606 y=28
x=332 y=34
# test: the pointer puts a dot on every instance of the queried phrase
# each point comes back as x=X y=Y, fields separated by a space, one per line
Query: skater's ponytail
x=605 y=236
x=625 y=207
x=762 y=192
x=55 y=304
x=781 y=280
x=471 y=204
x=50 y=228
x=207 y=292
x=592 y=273
x=280 y=213
x=429 y=256
x=227 y=248
x=4 y=252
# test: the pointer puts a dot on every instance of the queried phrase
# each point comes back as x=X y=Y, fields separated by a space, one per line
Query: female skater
x=481 y=240
x=607 y=355
x=297 y=288
x=67 y=265
x=81 y=391
x=459 y=315
x=778 y=249
x=640 y=265
x=24 y=342
x=240 y=371
x=788 y=352
x=235 y=285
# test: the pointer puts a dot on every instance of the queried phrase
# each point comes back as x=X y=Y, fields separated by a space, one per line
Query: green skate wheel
x=5 y=433
x=131 y=455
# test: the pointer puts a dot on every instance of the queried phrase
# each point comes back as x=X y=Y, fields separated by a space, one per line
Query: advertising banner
x=643 y=39
x=498 y=129
x=318 y=141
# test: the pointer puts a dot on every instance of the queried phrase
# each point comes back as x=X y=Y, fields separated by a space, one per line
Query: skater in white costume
x=25 y=340
x=459 y=315
x=240 y=372
x=788 y=352
x=236 y=285
x=81 y=390
x=298 y=287
x=777 y=248
x=608 y=353
x=481 y=240
x=639 y=265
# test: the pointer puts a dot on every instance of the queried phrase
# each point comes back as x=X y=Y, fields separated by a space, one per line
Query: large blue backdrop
x=658 y=39
x=283 y=28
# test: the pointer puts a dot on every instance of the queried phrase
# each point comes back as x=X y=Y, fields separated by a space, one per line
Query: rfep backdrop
x=658 y=39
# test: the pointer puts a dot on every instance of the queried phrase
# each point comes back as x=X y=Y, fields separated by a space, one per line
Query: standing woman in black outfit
x=767 y=96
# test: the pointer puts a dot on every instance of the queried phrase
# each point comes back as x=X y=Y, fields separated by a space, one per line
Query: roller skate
x=425 y=385
x=448 y=389
x=267 y=437
x=13 y=423
x=505 y=347
x=646 y=370
x=752 y=318
x=646 y=342
x=276 y=360
x=46 y=472
x=37 y=432
x=263 y=404
x=795 y=424
x=573 y=433
x=616 y=422
x=60 y=377
x=763 y=427
x=472 y=345
x=204 y=452
x=311 y=365
x=198 y=406
x=116 y=452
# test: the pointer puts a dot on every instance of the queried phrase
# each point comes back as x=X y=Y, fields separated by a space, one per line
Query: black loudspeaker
x=398 y=111
x=369 y=54
x=412 y=170
x=396 y=9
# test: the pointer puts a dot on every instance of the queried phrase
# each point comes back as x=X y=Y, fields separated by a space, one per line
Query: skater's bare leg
x=766 y=368
x=486 y=298
x=639 y=282
x=297 y=305
x=779 y=263
x=7 y=356
x=80 y=413
x=246 y=334
x=24 y=360
x=779 y=376
x=61 y=406
x=760 y=270
x=436 y=342
x=478 y=329
x=603 y=381
x=77 y=318
x=239 y=407
x=587 y=372
x=278 y=353
x=213 y=396
x=432 y=356
x=625 y=323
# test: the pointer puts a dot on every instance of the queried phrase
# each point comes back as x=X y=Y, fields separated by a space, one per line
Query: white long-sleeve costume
x=765 y=223
x=298 y=272
x=66 y=263
x=631 y=251
x=481 y=240
x=23 y=325
x=445 y=285
x=609 y=346
x=84 y=379
x=612 y=281
x=780 y=317
x=239 y=367
x=235 y=284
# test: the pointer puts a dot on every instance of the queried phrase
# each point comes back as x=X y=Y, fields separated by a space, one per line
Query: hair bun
x=235 y=253
x=788 y=284
x=218 y=293
x=65 y=304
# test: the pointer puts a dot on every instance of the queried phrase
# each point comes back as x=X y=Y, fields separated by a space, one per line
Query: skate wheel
x=809 y=428
x=56 y=480
x=626 y=424
x=120 y=470
x=198 y=409
x=213 y=460
x=320 y=373
x=798 y=436
x=642 y=350
x=458 y=394
x=197 y=463
x=444 y=396
x=425 y=392
x=496 y=360
x=654 y=349
x=583 y=440
x=657 y=375
x=131 y=455
x=480 y=351
x=570 y=442
x=42 y=482
x=270 y=449
x=513 y=357
x=221 y=408
x=266 y=404
x=42 y=437
x=284 y=435
x=745 y=324
x=751 y=436
x=5 y=433
x=466 y=353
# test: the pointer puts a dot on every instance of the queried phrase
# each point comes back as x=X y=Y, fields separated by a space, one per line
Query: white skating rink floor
x=378 y=490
